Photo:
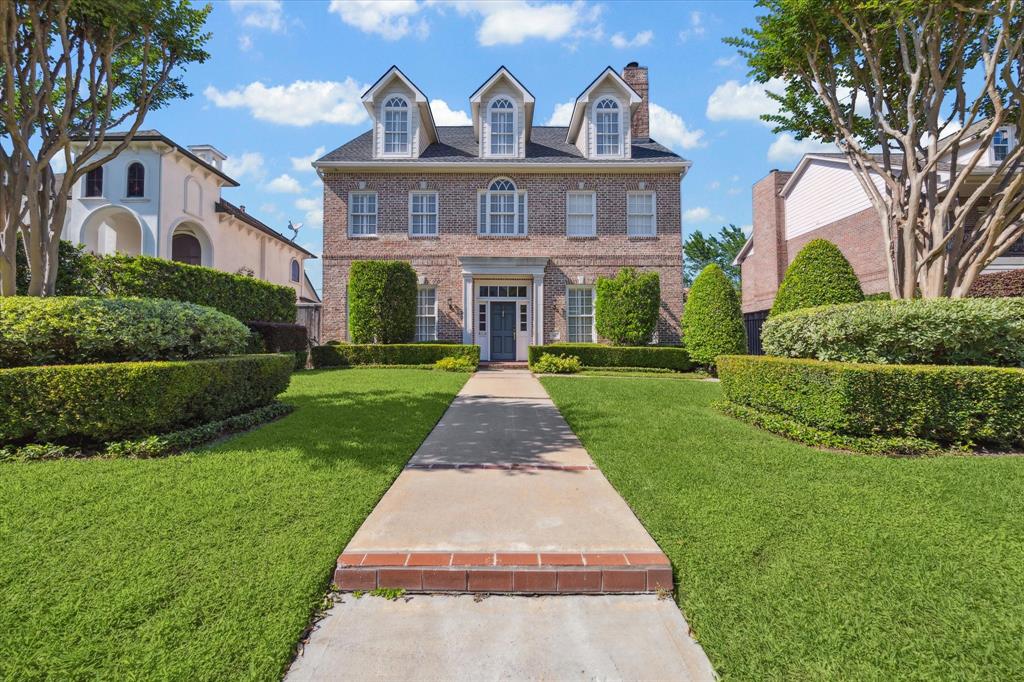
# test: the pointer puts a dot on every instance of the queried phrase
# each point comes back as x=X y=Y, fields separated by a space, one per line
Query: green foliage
x=597 y=355
x=627 y=307
x=346 y=354
x=819 y=275
x=87 y=404
x=456 y=364
x=938 y=331
x=998 y=284
x=244 y=298
x=75 y=270
x=952 y=405
x=556 y=364
x=721 y=249
x=67 y=330
x=281 y=337
x=712 y=322
x=382 y=301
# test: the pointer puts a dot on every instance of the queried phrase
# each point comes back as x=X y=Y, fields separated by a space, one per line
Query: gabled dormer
x=502 y=110
x=402 y=123
x=610 y=113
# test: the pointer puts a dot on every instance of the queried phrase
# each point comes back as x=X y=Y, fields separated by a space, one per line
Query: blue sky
x=284 y=80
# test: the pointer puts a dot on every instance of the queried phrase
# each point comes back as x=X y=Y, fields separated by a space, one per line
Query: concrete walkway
x=503 y=480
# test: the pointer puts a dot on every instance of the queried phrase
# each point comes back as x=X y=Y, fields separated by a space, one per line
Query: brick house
x=507 y=224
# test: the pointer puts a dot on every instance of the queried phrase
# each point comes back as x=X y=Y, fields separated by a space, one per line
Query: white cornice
x=462 y=167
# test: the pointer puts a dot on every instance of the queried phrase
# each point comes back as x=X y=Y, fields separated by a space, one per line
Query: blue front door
x=503 y=331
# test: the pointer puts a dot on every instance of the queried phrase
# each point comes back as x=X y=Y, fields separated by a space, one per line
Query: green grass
x=204 y=565
x=799 y=564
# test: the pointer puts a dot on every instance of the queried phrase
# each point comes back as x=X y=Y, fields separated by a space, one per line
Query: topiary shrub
x=346 y=354
x=819 y=275
x=382 y=301
x=996 y=284
x=672 y=358
x=68 y=329
x=939 y=331
x=712 y=322
x=556 y=364
x=627 y=307
x=455 y=364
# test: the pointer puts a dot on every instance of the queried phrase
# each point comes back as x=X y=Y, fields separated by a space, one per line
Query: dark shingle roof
x=458 y=144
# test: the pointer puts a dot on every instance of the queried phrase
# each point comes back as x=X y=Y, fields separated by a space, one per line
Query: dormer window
x=502 y=209
x=1000 y=145
x=609 y=132
x=396 y=126
x=502 y=120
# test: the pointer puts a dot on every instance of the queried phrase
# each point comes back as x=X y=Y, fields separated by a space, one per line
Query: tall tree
x=720 y=249
x=914 y=92
x=77 y=69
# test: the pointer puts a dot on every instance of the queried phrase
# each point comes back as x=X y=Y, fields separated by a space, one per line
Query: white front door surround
x=516 y=279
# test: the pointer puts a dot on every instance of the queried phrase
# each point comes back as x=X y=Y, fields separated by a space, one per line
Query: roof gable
x=609 y=74
x=422 y=103
x=501 y=74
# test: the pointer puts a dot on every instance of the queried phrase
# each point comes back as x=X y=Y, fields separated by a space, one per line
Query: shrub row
x=346 y=354
x=66 y=330
x=98 y=403
x=951 y=405
x=997 y=284
x=941 y=331
x=597 y=355
x=281 y=337
x=557 y=364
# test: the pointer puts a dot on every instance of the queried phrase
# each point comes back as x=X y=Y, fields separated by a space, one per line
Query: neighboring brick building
x=507 y=224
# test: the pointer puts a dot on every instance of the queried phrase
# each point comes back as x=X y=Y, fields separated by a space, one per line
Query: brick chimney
x=636 y=76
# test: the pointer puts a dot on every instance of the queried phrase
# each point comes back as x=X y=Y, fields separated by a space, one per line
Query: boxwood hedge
x=712 y=321
x=382 y=301
x=626 y=312
x=598 y=355
x=71 y=329
x=98 y=403
x=345 y=354
x=950 y=405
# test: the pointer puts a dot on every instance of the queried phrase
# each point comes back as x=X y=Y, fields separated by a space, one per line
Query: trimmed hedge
x=953 y=405
x=937 y=331
x=627 y=307
x=66 y=330
x=382 y=301
x=103 y=402
x=712 y=321
x=244 y=298
x=281 y=337
x=819 y=275
x=596 y=355
x=997 y=284
x=346 y=354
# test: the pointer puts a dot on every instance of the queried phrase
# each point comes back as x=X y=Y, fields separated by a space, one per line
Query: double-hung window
x=362 y=214
x=640 y=214
x=503 y=209
x=423 y=214
x=503 y=127
x=608 y=130
x=396 y=126
x=580 y=314
x=426 y=314
x=580 y=218
x=1000 y=145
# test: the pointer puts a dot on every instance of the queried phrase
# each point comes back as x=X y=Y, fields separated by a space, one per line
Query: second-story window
x=136 y=180
x=362 y=213
x=503 y=209
x=579 y=214
x=640 y=214
x=606 y=121
x=1001 y=145
x=94 y=182
x=396 y=126
x=296 y=270
x=503 y=127
x=423 y=214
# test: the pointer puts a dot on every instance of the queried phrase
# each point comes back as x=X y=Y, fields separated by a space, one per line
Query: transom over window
x=426 y=314
x=606 y=120
x=580 y=314
x=640 y=218
x=502 y=209
x=423 y=214
x=362 y=213
x=503 y=129
x=396 y=126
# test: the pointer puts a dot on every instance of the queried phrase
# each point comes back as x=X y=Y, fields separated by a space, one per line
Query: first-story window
x=423 y=214
x=362 y=213
x=579 y=214
x=580 y=314
x=426 y=314
x=640 y=216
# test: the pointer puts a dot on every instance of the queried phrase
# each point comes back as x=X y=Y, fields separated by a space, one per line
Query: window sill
x=582 y=237
x=503 y=236
x=362 y=236
x=641 y=237
x=134 y=200
x=424 y=236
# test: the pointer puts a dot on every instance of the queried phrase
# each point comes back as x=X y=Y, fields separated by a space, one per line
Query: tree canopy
x=699 y=251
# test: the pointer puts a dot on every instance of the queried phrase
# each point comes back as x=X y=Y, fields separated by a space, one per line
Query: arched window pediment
x=607 y=127
x=502 y=120
x=396 y=125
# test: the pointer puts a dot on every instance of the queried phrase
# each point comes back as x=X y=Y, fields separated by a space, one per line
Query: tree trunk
x=8 y=277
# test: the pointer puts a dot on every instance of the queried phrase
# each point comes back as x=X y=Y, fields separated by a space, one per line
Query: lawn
x=204 y=565
x=800 y=564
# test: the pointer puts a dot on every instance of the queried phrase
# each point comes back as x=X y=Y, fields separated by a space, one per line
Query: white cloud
x=313 y=212
x=248 y=165
x=244 y=43
x=444 y=115
x=697 y=214
x=747 y=229
x=513 y=21
x=301 y=164
x=306 y=204
x=621 y=42
x=722 y=62
x=788 y=148
x=390 y=19
x=265 y=14
x=696 y=28
x=737 y=101
x=300 y=103
x=670 y=129
x=284 y=184
x=561 y=115
x=714 y=184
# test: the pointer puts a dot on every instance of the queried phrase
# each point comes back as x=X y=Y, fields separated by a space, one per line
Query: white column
x=538 y=310
x=467 y=308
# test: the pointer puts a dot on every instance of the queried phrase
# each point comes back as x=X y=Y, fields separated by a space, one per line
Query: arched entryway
x=190 y=244
x=112 y=229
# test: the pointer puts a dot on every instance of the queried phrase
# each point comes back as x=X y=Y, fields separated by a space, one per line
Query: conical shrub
x=712 y=322
x=819 y=275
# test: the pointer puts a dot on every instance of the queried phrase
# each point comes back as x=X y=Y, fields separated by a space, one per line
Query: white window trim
x=593 y=213
x=1011 y=134
x=490 y=128
x=376 y=205
x=437 y=213
x=418 y=316
x=483 y=228
x=384 y=126
x=654 y=214
x=593 y=312
x=621 y=134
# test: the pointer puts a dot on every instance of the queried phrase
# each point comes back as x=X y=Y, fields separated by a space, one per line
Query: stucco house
x=158 y=198
x=508 y=224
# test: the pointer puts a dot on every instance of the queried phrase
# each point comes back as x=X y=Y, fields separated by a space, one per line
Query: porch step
x=503 y=365
x=506 y=572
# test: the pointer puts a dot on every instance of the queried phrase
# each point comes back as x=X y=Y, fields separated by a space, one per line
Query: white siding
x=826 y=192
